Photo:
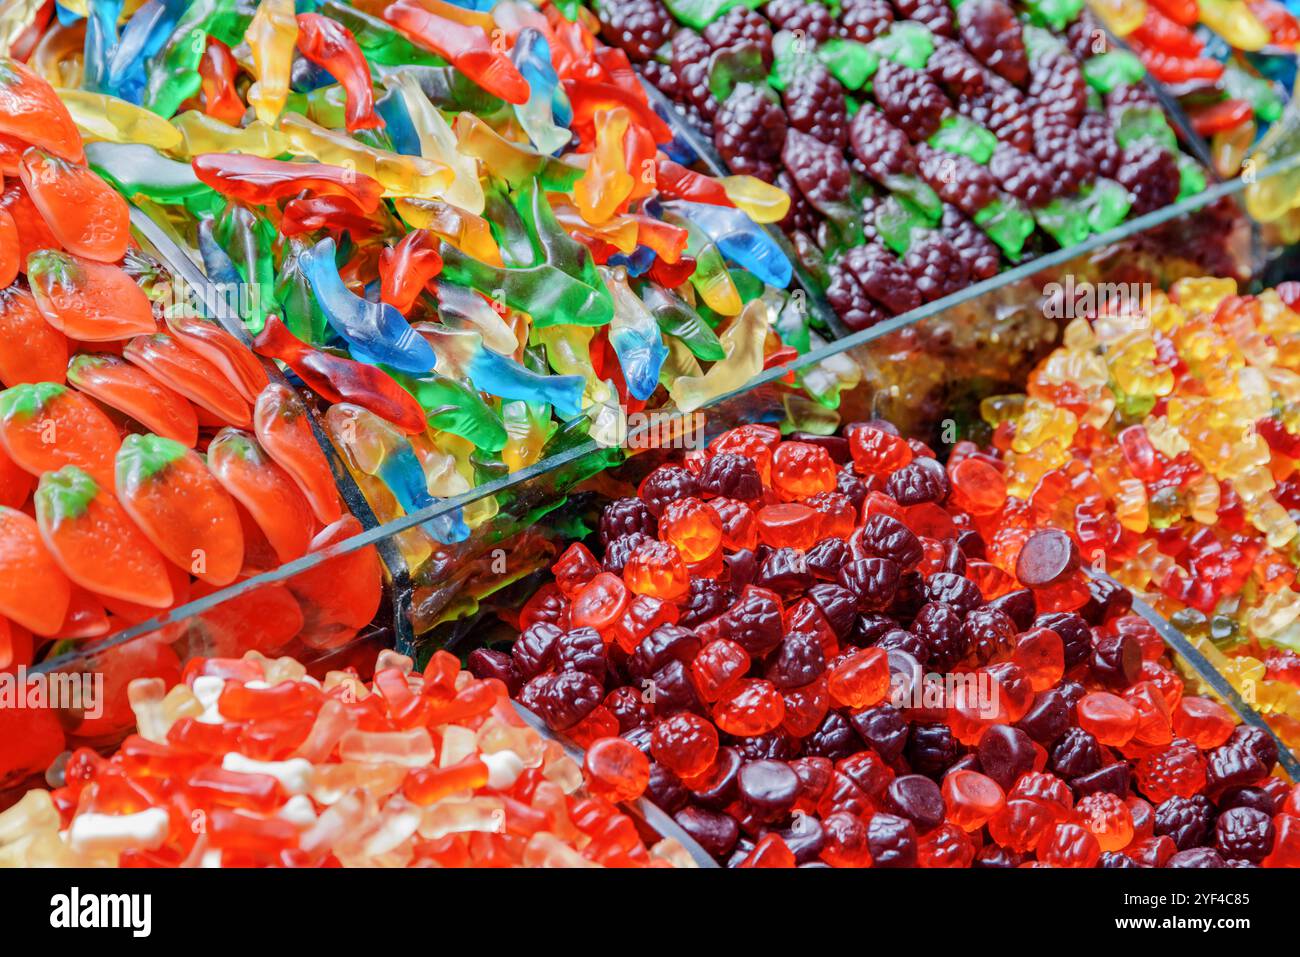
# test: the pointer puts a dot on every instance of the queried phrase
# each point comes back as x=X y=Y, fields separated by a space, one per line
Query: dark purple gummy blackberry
x=1116 y=661
x=1151 y=176
x=620 y=549
x=887 y=537
x=798 y=661
x=665 y=789
x=957 y=179
x=998 y=857
x=568 y=697
x=1002 y=110
x=954 y=69
x=957 y=592
x=1231 y=766
x=1245 y=833
x=707 y=599
x=910 y=99
x=1057 y=87
x=1116 y=861
x=989 y=632
x=881 y=147
x=917 y=798
x=815 y=104
x=714 y=831
x=1074 y=632
x=768 y=788
x=690 y=62
x=1047 y=718
x=1077 y=753
x=775 y=745
x=749 y=131
x=819 y=169
x=872 y=580
x=1106 y=600
x=932 y=749
x=1197 y=857
x=629 y=708
x=1257 y=740
x=637 y=27
x=864 y=20
x=1113 y=778
x=784 y=571
x=665 y=485
x=1061 y=148
x=884 y=728
x=1188 y=822
x=730 y=476
x=892 y=841
x=918 y=483
x=838 y=606
x=883 y=277
x=935 y=14
x=581 y=649
x=991 y=32
x=935 y=268
x=801 y=215
x=534 y=650
x=665 y=644
x=850 y=301
x=1022 y=175
x=1130 y=95
x=754 y=622
x=898 y=640
x=737 y=27
x=805 y=837
x=488 y=663
x=834 y=738
x=674 y=690
x=977 y=251
x=1086 y=38
x=663 y=78
x=1097 y=140
x=623 y=517
x=825 y=559
x=721 y=787
x=813 y=20
x=1005 y=754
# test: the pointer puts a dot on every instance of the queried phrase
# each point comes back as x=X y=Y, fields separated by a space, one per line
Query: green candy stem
x=958 y=134
x=142 y=457
x=1008 y=223
x=1112 y=69
x=850 y=62
x=27 y=400
x=64 y=495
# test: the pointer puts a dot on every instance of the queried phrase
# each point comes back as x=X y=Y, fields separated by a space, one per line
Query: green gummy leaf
x=1065 y=220
x=1057 y=14
x=735 y=65
x=142 y=457
x=1113 y=69
x=1191 y=178
x=1008 y=223
x=907 y=43
x=1138 y=124
x=1106 y=204
x=917 y=193
x=850 y=62
x=1258 y=91
x=896 y=220
x=28 y=399
x=64 y=495
x=1040 y=42
x=700 y=13
x=958 y=134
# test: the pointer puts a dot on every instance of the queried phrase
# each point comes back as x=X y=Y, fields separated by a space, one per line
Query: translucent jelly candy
x=34 y=592
x=268 y=493
x=31 y=350
x=44 y=426
x=83 y=212
x=289 y=770
x=88 y=301
x=188 y=373
x=184 y=511
x=120 y=385
x=96 y=543
x=280 y=421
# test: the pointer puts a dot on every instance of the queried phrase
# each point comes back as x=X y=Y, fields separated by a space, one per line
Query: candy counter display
x=410 y=770
x=838 y=650
x=1164 y=437
x=148 y=456
x=924 y=148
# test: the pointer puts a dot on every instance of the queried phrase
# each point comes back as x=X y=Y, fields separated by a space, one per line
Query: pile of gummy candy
x=249 y=762
x=923 y=146
x=756 y=648
x=1166 y=438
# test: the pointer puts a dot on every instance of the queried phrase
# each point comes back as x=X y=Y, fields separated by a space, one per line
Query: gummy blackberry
x=1002 y=110
x=664 y=78
x=707 y=599
x=1069 y=164
x=637 y=27
x=1151 y=176
x=690 y=62
x=935 y=14
x=957 y=178
x=820 y=170
x=1022 y=175
x=749 y=131
x=882 y=148
x=739 y=26
x=850 y=301
x=1130 y=95
x=666 y=484
x=815 y=104
x=1187 y=821
x=1086 y=38
x=1096 y=139
x=731 y=476
x=1244 y=833
x=977 y=251
x=991 y=32
x=954 y=69
x=814 y=20
x=910 y=99
x=883 y=277
x=864 y=20
x=932 y=749
x=801 y=215
x=935 y=267
x=1057 y=87
x=623 y=517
